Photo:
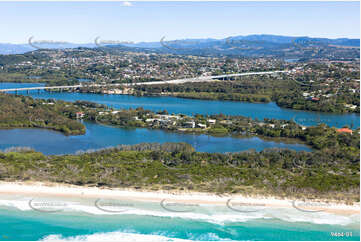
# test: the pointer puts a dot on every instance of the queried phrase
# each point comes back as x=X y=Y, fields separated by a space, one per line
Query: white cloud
x=127 y=4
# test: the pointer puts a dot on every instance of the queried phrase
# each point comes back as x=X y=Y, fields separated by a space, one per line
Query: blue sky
x=82 y=22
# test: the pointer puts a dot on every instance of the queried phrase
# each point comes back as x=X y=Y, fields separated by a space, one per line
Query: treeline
x=295 y=100
x=330 y=174
x=285 y=92
x=253 y=98
x=26 y=112
x=258 y=86
x=49 y=79
x=18 y=58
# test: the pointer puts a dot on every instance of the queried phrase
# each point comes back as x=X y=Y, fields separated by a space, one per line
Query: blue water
x=100 y=136
x=192 y=106
x=154 y=224
x=149 y=220
x=8 y=85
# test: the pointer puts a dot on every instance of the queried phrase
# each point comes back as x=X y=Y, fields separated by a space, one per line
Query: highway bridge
x=179 y=81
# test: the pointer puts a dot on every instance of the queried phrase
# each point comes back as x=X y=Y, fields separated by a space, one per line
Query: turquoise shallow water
x=136 y=226
x=22 y=218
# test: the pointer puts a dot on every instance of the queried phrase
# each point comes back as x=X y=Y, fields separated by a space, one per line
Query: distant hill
x=7 y=49
x=10 y=49
x=275 y=39
x=288 y=39
x=250 y=45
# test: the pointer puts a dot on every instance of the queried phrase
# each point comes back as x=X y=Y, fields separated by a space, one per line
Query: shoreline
x=185 y=198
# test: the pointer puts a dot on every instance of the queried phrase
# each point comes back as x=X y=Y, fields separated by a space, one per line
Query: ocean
x=84 y=220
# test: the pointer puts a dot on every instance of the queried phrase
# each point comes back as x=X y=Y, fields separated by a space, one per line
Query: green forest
x=26 y=112
x=329 y=174
x=330 y=171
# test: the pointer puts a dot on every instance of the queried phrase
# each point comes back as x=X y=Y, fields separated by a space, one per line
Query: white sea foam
x=211 y=213
x=22 y=205
x=126 y=237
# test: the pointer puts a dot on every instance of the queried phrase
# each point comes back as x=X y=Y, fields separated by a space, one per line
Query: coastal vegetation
x=331 y=174
x=26 y=112
x=317 y=137
x=330 y=171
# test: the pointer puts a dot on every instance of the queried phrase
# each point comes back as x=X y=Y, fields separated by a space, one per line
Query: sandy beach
x=72 y=191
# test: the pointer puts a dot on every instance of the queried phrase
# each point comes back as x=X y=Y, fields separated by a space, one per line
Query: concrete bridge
x=179 y=81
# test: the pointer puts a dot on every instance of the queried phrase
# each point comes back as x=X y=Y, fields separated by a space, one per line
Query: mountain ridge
x=245 y=45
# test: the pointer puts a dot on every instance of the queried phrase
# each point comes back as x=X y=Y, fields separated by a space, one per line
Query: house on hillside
x=202 y=126
x=190 y=124
x=80 y=115
x=344 y=130
x=211 y=121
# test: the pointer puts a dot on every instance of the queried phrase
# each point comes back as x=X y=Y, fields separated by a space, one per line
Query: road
x=178 y=81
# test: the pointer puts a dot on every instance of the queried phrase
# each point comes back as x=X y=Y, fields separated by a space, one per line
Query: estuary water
x=193 y=106
x=149 y=221
x=100 y=136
